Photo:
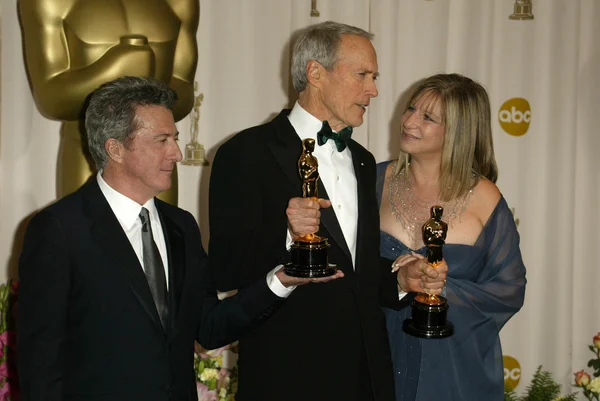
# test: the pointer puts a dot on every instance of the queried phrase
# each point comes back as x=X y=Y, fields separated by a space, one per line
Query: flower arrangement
x=9 y=384
x=591 y=387
x=214 y=380
x=543 y=386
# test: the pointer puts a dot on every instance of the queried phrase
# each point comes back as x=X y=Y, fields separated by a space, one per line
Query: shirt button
x=338 y=177
x=339 y=206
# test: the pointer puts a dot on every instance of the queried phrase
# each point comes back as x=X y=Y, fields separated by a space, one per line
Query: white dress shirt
x=128 y=211
x=337 y=173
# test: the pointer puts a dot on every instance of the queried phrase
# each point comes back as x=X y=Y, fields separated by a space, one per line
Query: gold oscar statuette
x=308 y=254
x=194 y=151
x=72 y=47
x=428 y=319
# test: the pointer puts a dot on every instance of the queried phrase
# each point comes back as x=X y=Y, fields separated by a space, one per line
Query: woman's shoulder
x=484 y=199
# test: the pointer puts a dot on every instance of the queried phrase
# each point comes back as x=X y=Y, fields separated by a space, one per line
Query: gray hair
x=319 y=42
x=111 y=111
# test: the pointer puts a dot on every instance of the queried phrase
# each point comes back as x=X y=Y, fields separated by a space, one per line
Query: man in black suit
x=114 y=284
x=327 y=342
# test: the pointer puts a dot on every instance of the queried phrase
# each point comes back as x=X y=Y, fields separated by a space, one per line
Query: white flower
x=594 y=386
x=209 y=374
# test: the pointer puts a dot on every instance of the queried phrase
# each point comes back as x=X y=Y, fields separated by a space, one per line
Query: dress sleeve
x=495 y=289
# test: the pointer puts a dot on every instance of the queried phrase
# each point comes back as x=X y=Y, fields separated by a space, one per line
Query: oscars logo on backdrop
x=522 y=10
x=514 y=116
x=512 y=372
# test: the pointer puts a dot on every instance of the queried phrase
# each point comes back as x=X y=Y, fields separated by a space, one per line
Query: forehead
x=428 y=101
x=155 y=118
x=358 y=51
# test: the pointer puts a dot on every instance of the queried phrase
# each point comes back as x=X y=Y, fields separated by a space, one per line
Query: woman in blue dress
x=447 y=159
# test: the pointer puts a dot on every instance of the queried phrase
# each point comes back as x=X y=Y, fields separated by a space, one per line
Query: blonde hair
x=468 y=150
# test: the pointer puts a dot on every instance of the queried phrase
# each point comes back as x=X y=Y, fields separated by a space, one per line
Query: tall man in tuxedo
x=114 y=284
x=327 y=342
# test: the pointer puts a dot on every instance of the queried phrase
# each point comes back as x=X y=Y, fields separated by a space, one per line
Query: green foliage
x=595 y=363
x=542 y=388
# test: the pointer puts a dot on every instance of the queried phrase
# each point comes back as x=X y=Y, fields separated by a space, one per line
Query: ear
x=315 y=73
x=114 y=150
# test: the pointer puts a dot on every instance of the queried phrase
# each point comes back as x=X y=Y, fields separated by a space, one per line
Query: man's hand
x=289 y=281
x=416 y=275
x=304 y=215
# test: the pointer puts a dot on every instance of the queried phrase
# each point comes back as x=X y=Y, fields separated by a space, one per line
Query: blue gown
x=485 y=287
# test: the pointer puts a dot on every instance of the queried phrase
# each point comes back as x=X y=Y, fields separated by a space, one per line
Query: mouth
x=363 y=106
x=409 y=136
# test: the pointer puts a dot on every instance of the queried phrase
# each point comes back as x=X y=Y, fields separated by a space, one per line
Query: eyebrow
x=375 y=74
x=165 y=134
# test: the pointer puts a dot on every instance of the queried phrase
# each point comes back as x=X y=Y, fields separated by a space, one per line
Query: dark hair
x=111 y=111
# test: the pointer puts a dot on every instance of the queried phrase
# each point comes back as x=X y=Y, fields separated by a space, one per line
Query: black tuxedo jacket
x=88 y=327
x=328 y=341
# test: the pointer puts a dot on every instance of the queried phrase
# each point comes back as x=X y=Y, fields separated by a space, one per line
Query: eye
x=410 y=108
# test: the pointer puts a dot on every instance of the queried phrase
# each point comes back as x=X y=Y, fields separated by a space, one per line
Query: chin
x=405 y=148
x=356 y=123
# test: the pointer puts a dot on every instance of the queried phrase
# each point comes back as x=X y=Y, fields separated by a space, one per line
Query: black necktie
x=153 y=268
x=340 y=138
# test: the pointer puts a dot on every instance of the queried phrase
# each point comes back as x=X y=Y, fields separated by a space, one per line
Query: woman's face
x=422 y=131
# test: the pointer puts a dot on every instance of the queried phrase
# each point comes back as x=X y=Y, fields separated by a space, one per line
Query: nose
x=372 y=89
x=175 y=153
x=409 y=119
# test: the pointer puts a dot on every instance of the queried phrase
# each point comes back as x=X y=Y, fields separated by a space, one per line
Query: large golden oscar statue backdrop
x=74 y=46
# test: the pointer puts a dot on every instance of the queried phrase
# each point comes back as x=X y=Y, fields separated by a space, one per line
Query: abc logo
x=512 y=372
x=515 y=116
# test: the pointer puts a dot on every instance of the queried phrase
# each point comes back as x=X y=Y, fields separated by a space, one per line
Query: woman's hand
x=416 y=275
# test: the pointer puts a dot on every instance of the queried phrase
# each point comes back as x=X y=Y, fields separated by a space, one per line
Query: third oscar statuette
x=429 y=312
x=195 y=154
x=309 y=253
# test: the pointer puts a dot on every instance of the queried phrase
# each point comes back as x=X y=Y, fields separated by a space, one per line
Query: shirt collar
x=305 y=124
x=126 y=210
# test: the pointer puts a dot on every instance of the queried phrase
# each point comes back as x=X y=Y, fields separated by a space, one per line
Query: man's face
x=348 y=88
x=150 y=157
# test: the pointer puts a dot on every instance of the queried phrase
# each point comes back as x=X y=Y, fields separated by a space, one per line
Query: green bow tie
x=340 y=138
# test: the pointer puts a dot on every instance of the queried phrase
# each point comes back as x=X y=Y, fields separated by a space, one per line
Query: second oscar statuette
x=429 y=312
x=309 y=253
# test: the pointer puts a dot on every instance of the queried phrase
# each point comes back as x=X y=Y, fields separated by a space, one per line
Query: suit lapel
x=330 y=221
x=111 y=238
x=287 y=148
x=359 y=172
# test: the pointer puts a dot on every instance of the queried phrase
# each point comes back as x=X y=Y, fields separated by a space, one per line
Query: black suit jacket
x=328 y=341
x=88 y=327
